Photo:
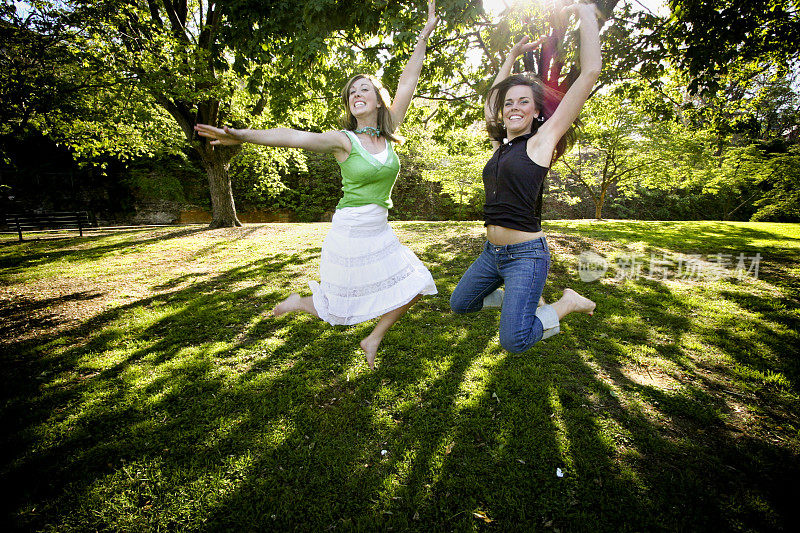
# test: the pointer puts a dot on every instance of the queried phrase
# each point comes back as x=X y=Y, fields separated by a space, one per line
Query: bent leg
x=522 y=322
x=371 y=342
x=479 y=281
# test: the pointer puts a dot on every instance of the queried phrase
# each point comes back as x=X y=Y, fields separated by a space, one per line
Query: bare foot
x=370 y=347
x=288 y=305
x=579 y=303
x=541 y=301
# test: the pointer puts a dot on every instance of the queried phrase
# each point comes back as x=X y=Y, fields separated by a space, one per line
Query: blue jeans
x=523 y=269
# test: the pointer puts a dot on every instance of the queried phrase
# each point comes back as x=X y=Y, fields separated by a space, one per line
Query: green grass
x=146 y=388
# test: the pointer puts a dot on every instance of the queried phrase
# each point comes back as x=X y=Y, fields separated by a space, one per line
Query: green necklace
x=369 y=130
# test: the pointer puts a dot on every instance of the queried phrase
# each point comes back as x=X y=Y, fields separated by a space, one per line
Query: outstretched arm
x=520 y=47
x=570 y=106
x=327 y=142
x=410 y=75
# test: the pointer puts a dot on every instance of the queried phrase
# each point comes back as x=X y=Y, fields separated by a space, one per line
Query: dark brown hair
x=496 y=127
x=385 y=122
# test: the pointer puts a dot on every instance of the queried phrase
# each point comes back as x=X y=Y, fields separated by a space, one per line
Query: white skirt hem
x=364 y=270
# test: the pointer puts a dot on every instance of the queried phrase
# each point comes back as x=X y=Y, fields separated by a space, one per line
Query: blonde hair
x=385 y=122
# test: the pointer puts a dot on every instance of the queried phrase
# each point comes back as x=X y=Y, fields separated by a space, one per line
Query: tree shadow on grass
x=330 y=470
x=678 y=464
x=25 y=313
x=91 y=248
x=770 y=326
x=697 y=470
x=213 y=417
x=445 y=462
x=685 y=237
x=675 y=463
x=62 y=392
x=157 y=430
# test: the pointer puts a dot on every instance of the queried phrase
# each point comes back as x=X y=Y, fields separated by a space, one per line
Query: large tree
x=229 y=62
x=259 y=64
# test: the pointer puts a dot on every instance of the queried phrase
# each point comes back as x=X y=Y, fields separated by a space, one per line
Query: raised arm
x=327 y=142
x=570 y=106
x=520 y=47
x=410 y=75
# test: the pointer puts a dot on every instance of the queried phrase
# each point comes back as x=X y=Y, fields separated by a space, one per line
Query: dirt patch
x=647 y=377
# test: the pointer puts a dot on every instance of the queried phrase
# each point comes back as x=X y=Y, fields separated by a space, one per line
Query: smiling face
x=367 y=104
x=362 y=98
x=519 y=110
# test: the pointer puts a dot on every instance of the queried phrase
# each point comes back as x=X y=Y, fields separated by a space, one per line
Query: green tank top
x=365 y=180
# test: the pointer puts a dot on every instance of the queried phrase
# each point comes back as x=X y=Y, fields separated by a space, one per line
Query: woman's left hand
x=433 y=20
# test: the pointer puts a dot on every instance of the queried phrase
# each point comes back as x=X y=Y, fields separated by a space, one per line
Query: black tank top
x=514 y=186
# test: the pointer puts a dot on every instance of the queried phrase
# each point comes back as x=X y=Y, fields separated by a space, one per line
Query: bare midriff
x=500 y=236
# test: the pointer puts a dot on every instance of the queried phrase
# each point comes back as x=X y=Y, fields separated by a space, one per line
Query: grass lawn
x=145 y=388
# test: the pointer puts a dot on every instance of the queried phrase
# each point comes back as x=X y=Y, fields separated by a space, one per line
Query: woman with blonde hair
x=365 y=272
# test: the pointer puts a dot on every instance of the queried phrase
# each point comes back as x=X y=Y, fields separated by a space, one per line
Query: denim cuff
x=549 y=319
x=494 y=300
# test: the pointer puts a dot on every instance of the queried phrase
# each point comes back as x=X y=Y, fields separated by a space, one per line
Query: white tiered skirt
x=364 y=270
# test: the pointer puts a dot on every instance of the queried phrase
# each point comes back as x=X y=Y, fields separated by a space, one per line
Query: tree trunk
x=598 y=205
x=216 y=163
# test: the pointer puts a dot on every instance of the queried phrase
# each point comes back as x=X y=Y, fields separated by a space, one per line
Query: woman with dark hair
x=365 y=272
x=526 y=144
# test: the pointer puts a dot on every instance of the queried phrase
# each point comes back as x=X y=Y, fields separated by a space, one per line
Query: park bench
x=54 y=220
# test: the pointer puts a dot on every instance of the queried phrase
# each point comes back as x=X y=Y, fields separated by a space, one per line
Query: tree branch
x=578 y=176
x=429 y=117
x=448 y=98
x=495 y=63
x=177 y=18
x=154 y=15
x=181 y=116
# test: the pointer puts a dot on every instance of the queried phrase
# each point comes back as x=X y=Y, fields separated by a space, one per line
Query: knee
x=514 y=344
x=457 y=305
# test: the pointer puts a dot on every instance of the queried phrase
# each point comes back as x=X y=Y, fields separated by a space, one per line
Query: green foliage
x=124 y=81
x=258 y=173
x=162 y=186
x=56 y=85
x=307 y=184
x=436 y=182
x=460 y=161
x=441 y=179
x=315 y=192
x=780 y=178
x=611 y=150
x=193 y=58
x=679 y=202
x=175 y=178
x=124 y=127
x=657 y=151
x=41 y=67
x=708 y=38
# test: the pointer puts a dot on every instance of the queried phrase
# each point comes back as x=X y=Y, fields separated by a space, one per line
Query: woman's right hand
x=220 y=136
